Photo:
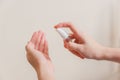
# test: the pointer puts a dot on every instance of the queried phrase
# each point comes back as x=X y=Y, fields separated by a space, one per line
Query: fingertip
x=55 y=27
x=39 y=31
x=33 y=36
x=34 y=33
x=65 y=42
x=42 y=32
x=71 y=36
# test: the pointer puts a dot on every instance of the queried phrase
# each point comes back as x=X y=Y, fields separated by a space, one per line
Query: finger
x=45 y=47
x=47 y=57
x=77 y=54
x=45 y=50
x=76 y=41
x=73 y=51
x=38 y=39
x=75 y=46
x=41 y=44
x=69 y=25
x=65 y=44
x=29 y=47
x=77 y=33
x=34 y=38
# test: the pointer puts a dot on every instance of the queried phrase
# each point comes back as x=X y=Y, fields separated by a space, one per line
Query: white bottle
x=63 y=34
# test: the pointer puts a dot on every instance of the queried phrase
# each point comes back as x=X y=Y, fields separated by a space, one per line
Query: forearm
x=111 y=54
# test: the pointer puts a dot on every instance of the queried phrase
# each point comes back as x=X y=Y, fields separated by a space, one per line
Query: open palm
x=38 y=57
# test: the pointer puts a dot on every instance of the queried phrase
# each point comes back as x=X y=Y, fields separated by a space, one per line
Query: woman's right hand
x=83 y=46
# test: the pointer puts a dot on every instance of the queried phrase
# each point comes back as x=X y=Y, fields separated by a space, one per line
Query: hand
x=38 y=57
x=83 y=46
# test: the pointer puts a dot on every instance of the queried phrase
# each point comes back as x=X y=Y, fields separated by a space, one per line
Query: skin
x=38 y=57
x=84 y=46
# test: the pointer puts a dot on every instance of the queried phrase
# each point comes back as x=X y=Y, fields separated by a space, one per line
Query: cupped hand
x=38 y=57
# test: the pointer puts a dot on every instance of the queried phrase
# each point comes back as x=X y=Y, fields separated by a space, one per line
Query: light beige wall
x=20 y=18
x=115 y=35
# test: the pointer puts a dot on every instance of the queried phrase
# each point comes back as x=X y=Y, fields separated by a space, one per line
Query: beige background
x=20 y=18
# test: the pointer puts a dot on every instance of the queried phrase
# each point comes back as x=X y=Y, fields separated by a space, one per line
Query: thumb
x=29 y=47
x=74 y=46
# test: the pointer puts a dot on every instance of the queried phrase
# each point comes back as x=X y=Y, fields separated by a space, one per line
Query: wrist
x=44 y=76
x=112 y=54
x=101 y=53
x=105 y=53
